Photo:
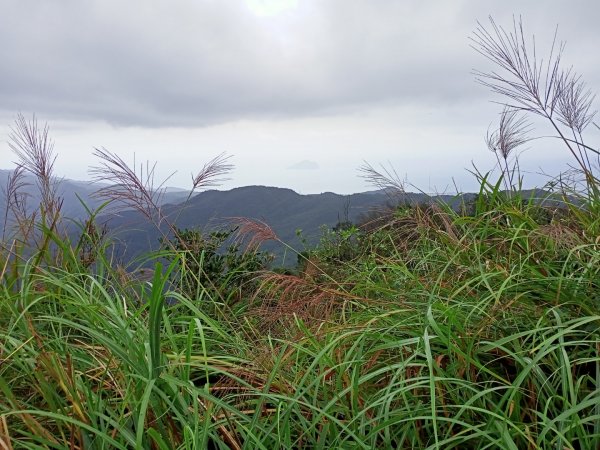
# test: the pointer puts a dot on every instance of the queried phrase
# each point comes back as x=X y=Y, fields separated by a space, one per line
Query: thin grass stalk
x=525 y=86
x=156 y=304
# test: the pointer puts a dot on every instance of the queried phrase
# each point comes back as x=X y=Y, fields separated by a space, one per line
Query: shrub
x=214 y=265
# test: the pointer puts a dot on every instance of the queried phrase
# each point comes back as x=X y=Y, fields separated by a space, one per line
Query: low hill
x=284 y=210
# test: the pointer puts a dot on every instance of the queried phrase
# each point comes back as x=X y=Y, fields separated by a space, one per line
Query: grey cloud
x=203 y=62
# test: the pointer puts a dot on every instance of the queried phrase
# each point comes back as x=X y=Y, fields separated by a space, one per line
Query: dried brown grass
x=252 y=232
x=280 y=299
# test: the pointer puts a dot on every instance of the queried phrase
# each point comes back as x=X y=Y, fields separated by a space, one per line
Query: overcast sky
x=300 y=92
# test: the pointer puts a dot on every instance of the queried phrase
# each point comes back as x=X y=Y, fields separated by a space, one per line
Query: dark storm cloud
x=202 y=62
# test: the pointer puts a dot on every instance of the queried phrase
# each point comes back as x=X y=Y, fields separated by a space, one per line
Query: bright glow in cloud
x=270 y=7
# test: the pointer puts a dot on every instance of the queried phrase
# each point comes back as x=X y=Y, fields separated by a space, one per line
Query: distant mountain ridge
x=69 y=190
x=284 y=210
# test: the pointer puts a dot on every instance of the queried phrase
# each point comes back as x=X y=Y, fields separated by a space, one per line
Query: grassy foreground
x=426 y=328
x=435 y=330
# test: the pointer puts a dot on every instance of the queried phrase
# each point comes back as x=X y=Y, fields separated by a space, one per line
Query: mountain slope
x=69 y=191
x=284 y=210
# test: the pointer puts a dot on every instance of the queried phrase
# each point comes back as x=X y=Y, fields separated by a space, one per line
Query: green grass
x=433 y=329
x=438 y=330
